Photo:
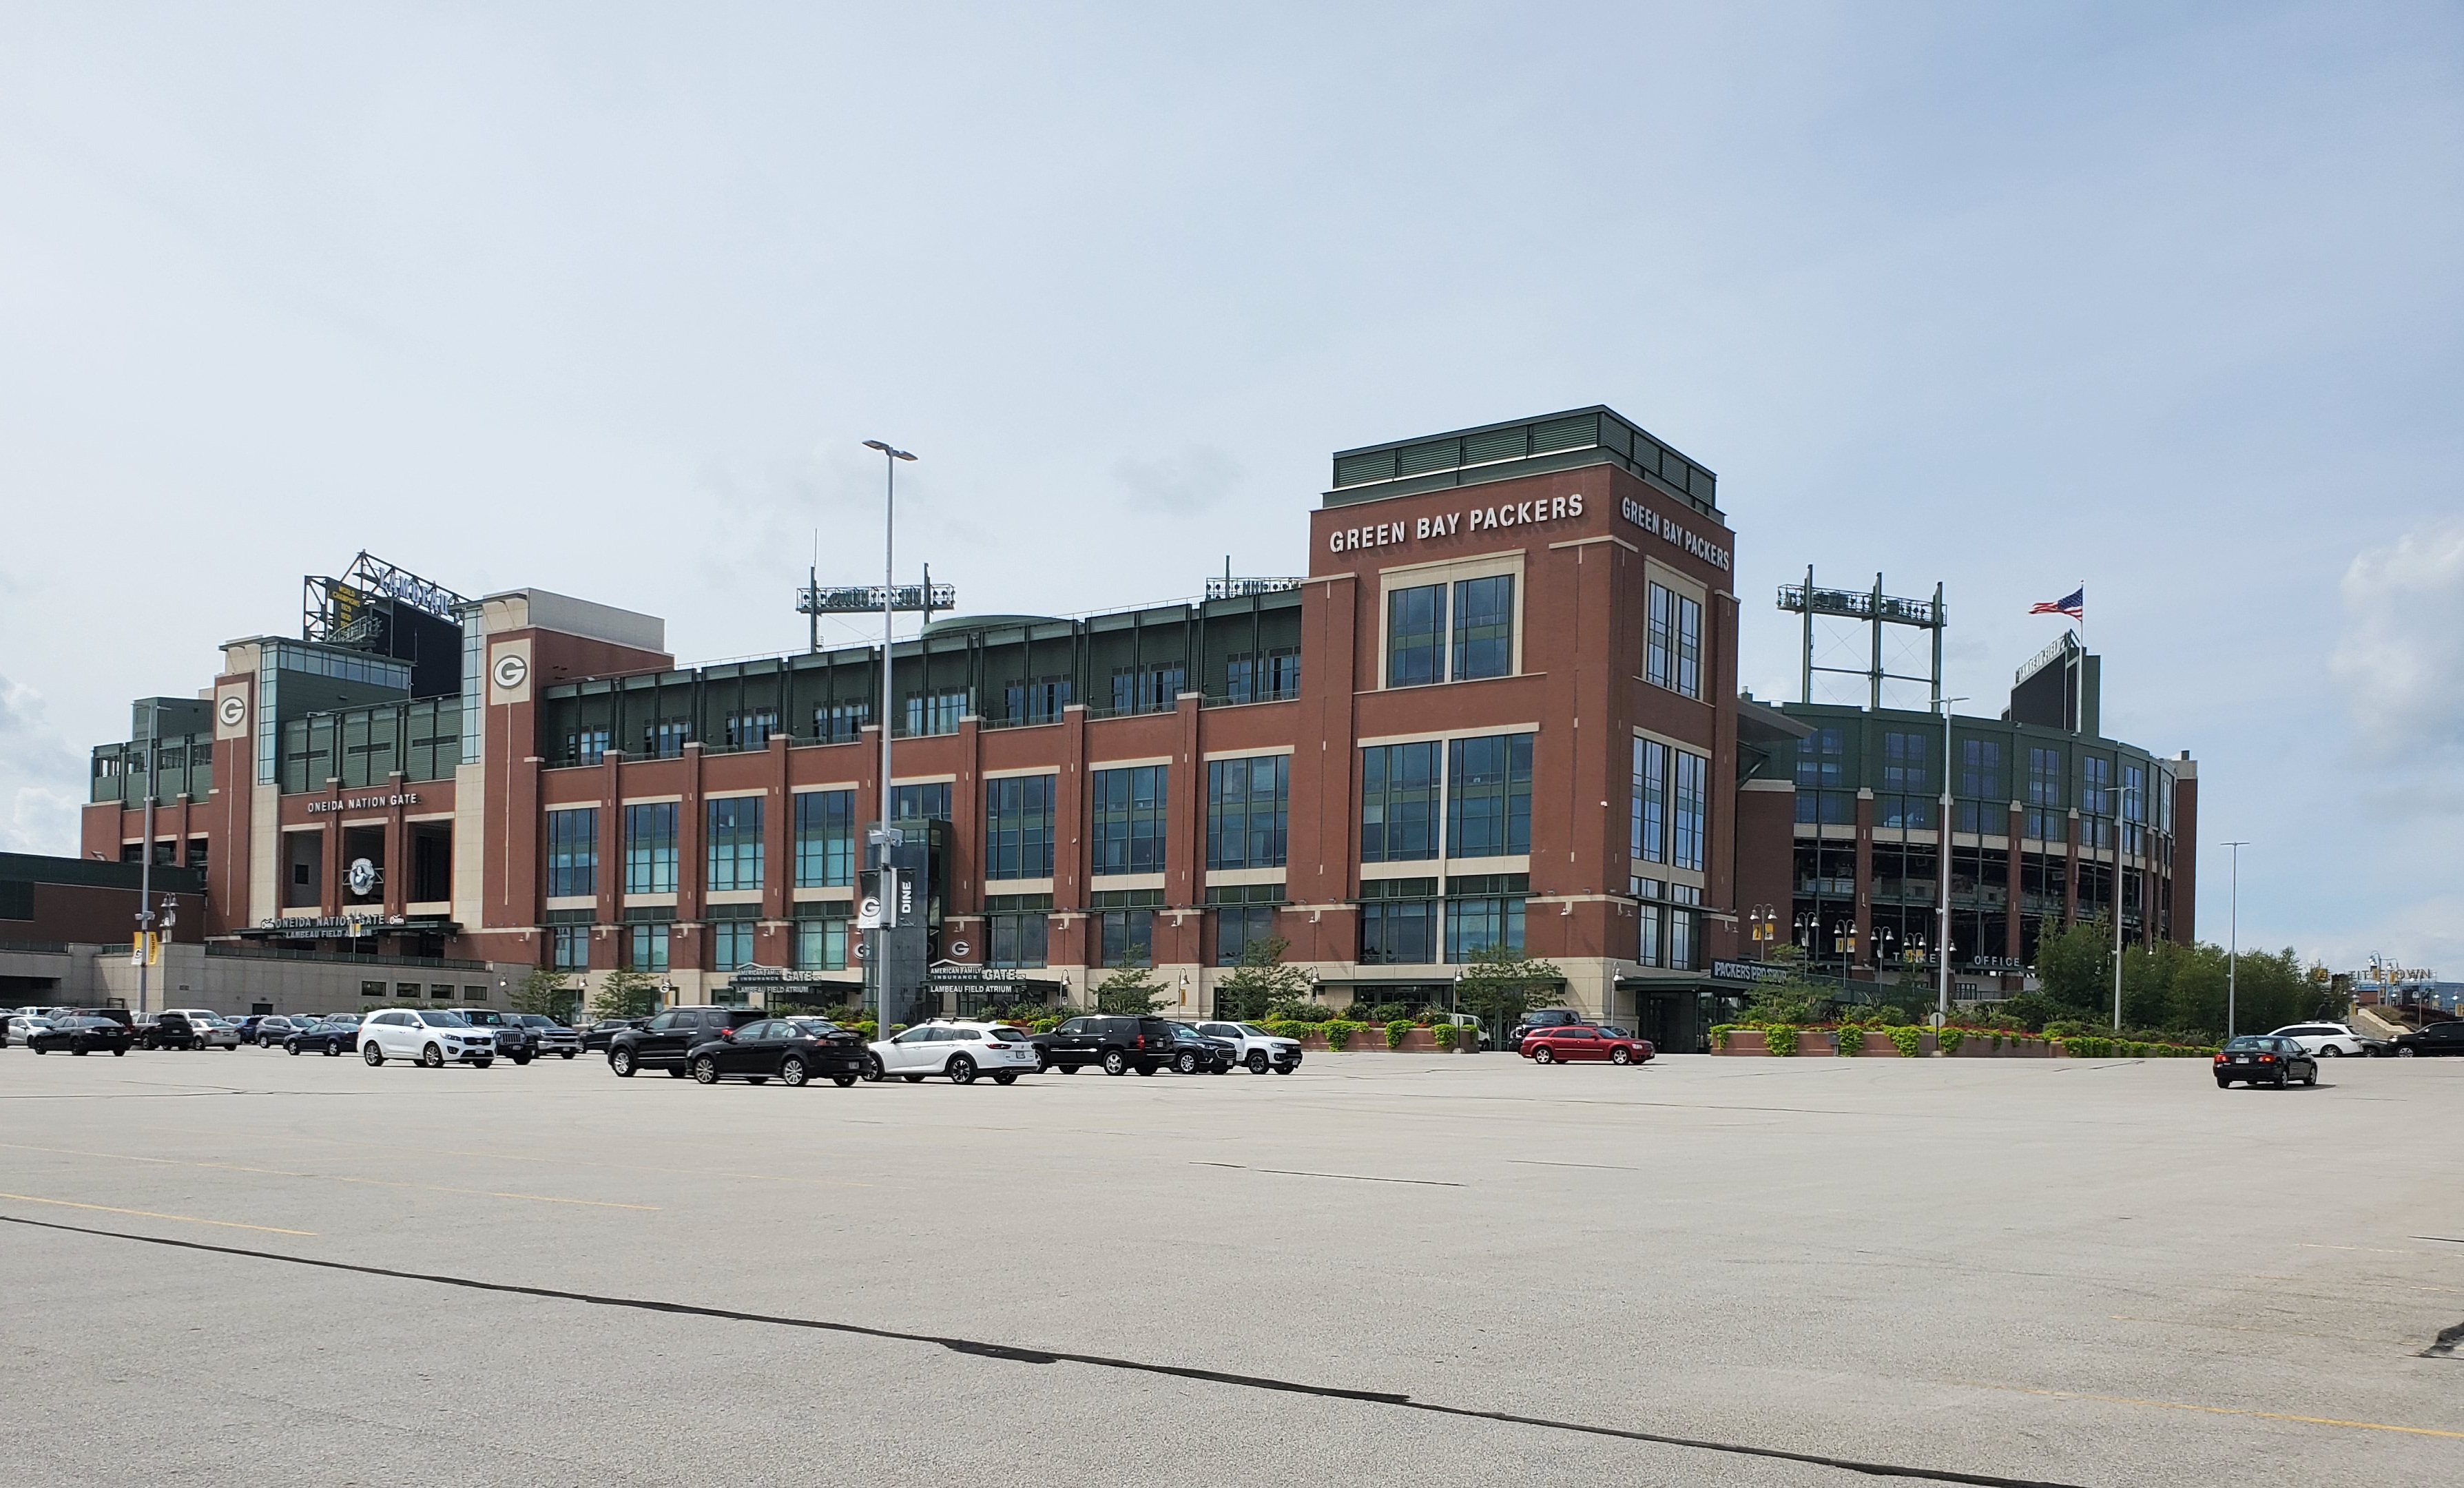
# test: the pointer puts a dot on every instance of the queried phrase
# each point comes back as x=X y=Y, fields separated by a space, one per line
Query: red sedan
x=1552 y=1046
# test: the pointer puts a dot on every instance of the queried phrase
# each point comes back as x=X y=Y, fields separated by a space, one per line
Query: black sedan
x=2265 y=1059
x=82 y=1036
x=335 y=1036
x=597 y=1034
x=794 y=1050
x=2430 y=1041
x=1193 y=1051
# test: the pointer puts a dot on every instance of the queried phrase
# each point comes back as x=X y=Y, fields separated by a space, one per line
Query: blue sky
x=602 y=299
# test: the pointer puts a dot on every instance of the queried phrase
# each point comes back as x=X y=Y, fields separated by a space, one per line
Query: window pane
x=733 y=848
x=1484 y=627
x=1247 y=811
x=1128 y=826
x=1399 y=802
x=825 y=838
x=573 y=852
x=650 y=848
x=1488 y=795
x=1018 y=827
x=1415 y=630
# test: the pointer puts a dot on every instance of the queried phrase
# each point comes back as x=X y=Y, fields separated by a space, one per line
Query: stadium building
x=1499 y=709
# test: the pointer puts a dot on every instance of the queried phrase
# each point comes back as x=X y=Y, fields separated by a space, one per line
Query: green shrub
x=1445 y=1034
x=1720 y=1034
x=1301 y=1013
x=1781 y=1038
x=1911 y=1040
x=1339 y=1031
x=1396 y=1030
x=1849 y=1040
x=1950 y=1040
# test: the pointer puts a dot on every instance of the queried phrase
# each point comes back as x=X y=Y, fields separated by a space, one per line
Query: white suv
x=956 y=1049
x=434 y=1037
x=1255 y=1049
x=2332 y=1040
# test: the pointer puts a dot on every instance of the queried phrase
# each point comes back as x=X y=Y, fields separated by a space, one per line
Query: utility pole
x=2233 y=940
x=1942 y=838
x=889 y=458
x=145 y=864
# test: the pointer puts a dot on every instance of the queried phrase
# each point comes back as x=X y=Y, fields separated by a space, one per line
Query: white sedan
x=959 y=1049
x=17 y=1029
x=2330 y=1041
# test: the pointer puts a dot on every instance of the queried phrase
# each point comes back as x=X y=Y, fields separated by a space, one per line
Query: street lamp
x=1764 y=928
x=1941 y=870
x=889 y=458
x=2233 y=940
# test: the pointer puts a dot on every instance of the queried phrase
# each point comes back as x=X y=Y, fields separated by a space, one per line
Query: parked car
x=1255 y=1049
x=793 y=1050
x=1194 y=1051
x=960 y=1049
x=434 y=1037
x=2332 y=1040
x=554 y=1038
x=189 y=1028
x=598 y=1034
x=331 y=1035
x=1544 y=1017
x=2435 y=1039
x=516 y=1040
x=1115 y=1043
x=269 y=1032
x=665 y=1040
x=17 y=1029
x=1574 y=1043
x=2265 y=1059
x=82 y=1036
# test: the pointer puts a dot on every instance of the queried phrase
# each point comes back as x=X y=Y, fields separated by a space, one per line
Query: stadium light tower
x=889 y=458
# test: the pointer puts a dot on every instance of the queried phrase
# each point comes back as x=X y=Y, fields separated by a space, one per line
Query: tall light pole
x=2233 y=938
x=2120 y=814
x=145 y=862
x=889 y=458
x=1942 y=867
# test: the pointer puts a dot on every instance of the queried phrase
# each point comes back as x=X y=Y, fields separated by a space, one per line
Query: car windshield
x=1009 y=1034
x=444 y=1020
x=2252 y=1043
x=1253 y=1030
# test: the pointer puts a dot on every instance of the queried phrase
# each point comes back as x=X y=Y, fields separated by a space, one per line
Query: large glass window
x=1673 y=642
x=650 y=848
x=2134 y=806
x=1036 y=700
x=1243 y=914
x=1690 y=805
x=2044 y=799
x=1488 y=795
x=1125 y=925
x=1127 y=832
x=1416 y=636
x=1398 y=922
x=1484 y=627
x=935 y=712
x=1485 y=913
x=647 y=947
x=1018 y=827
x=586 y=746
x=752 y=731
x=825 y=838
x=569 y=942
x=1257 y=679
x=573 y=852
x=730 y=945
x=822 y=936
x=1015 y=929
x=928 y=801
x=841 y=723
x=1905 y=800
x=1247 y=811
x=1147 y=689
x=1647 y=826
x=667 y=738
x=1984 y=805
x=1399 y=802
x=733 y=847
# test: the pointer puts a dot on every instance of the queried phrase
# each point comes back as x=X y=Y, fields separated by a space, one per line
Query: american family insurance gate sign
x=1518 y=514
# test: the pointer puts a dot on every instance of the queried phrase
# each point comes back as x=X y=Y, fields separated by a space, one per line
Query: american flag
x=2074 y=604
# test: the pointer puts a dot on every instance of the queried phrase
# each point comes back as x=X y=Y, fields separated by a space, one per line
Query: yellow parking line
x=147 y=1214
x=284 y=1173
x=2263 y=1415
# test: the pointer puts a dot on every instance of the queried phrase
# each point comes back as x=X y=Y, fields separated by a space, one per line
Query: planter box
x=1877 y=1046
x=1419 y=1041
x=1747 y=1041
x=1811 y=1042
x=1976 y=1047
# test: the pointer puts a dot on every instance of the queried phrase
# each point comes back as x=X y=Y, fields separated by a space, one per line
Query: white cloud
x=39 y=816
x=2401 y=660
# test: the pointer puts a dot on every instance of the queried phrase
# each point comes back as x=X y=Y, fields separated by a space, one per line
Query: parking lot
x=1386 y=1268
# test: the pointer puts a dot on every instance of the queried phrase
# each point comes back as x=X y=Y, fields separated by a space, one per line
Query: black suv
x=1115 y=1043
x=1545 y=1018
x=516 y=1041
x=663 y=1043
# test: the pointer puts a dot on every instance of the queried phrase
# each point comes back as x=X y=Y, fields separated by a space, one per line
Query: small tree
x=545 y=992
x=627 y=995
x=1128 y=991
x=1260 y=980
x=1499 y=985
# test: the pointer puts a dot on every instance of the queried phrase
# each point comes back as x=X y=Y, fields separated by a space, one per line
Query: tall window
x=573 y=852
x=730 y=945
x=665 y=739
x=1650 y=943
x=840 y=723
x=1673 y=649
x=1127 y=832
x=646 y=947
x=1257 y=679
x=1125 y=925
x=1018 y=827
x=569 y=943
x=935 y=712
x=1484 y=911
x=1484 y=627
x=586 y=746
x=1243 y=913
x=822 y=936
x=1147 y=689
x=1416 y=636
x=1689 y=801
x=928 y=801
x=1647 y=828
x=2134 y=807
x=1015 y=928
x=1984 y=804
x=733 y=842
x=825 y=838
x=1905 y=800
x=1398 y=922
x=1488 y=795
x=1039 y=700
x=650 y=848
x=1821 y=773
x=752 y=731
x=1399 y=802
x=2095 y=800
x=2044 y=799
x=1247 y=811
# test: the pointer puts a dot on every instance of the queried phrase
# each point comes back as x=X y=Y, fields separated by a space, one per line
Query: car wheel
x=117 y=1053
x=481 y=1063
x=1115 y=1063
x=1187 y=1063
x=2402 y=1053
x=36 y=1048
x=791 y=1071
x=1258 y=1062
x=706 y=1070
x=843 y=1081
x=961 y=1070
x=2224 y=1084
x=565 y=1054
x=1543 y=1055
x=331 y=1050
x=1286 y=1069
x=621 y=1060
x=522 y=1058
x=292 y=1048
x=369 y=1052
x=1069 y=1069
x=2311 y=1079
x=1005 y=1077
x=2281 y=1079
x=2331 y=1051
x=431 y=1058
x=872 y=1069
x=1621 y=1055
x=1149 y=1068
